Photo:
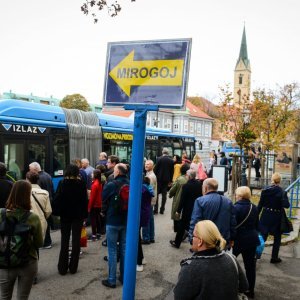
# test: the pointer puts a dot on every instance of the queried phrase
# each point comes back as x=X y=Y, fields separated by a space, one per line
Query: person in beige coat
x=175 y=192
x=40 y=201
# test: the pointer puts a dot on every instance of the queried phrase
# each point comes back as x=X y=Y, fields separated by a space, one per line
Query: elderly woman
x=203 y=275
x=246 y=240
x=272 y=200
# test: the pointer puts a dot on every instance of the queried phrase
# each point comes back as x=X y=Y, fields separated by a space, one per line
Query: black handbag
x=286 y=225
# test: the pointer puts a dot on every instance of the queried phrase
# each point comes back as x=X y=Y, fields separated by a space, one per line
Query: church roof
x=243 y=50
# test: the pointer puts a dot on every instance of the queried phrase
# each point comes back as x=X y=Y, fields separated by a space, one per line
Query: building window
x=148 y=119
x=169 y=123
x=206 y=130
x=44 y=102
x=176 y=126
x=241 y=79
x=185 y=125
x=199 y=129
x=191 y=127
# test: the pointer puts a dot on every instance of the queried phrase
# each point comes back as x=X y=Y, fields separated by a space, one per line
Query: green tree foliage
x=75 y=101
x=93 y=7
x=275 y=114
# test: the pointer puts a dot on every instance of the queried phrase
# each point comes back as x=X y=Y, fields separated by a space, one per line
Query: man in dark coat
x=5 y=185
x=190 y=192
x=163 y=170
x=112 y=161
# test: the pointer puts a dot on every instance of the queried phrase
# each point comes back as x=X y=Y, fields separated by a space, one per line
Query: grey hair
x=85 y=160
x=191 y=173
x=36 y=166
x=165 y=151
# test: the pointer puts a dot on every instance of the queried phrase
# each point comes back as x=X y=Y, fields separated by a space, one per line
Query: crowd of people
x=217 y=229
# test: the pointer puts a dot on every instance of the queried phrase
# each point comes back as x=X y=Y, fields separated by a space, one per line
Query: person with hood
x=175 y=193
x=272 y=201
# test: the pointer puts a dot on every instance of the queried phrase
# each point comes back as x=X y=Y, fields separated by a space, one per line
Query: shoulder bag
x=286 y=226
x=236 y=227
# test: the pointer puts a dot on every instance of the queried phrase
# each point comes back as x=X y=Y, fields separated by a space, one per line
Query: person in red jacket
x=95 y=204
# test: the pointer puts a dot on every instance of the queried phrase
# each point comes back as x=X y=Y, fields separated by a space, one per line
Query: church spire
x=243 y=50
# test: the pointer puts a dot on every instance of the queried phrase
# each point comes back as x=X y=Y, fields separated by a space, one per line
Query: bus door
x=18 y=152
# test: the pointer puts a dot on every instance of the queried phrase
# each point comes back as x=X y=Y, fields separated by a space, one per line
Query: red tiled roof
x=195 y=111
x=119 y=113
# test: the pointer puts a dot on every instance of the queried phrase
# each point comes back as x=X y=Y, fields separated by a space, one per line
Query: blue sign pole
x=135 y=193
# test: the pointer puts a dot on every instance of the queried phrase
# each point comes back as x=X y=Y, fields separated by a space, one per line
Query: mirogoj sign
x=147 y=72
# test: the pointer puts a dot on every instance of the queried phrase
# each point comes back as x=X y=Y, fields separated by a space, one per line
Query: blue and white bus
x=37 y=132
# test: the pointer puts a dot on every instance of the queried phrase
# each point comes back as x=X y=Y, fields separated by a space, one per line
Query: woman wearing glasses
x=210 y=273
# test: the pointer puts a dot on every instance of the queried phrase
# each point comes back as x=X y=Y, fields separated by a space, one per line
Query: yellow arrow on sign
x=147 y=73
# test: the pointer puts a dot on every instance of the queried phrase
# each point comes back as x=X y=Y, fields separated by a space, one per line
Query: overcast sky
x=48 y=47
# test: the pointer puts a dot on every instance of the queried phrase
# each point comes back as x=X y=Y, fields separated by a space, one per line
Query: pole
x=135 y=192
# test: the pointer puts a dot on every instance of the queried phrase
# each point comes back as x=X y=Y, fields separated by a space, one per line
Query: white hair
x=35 y=166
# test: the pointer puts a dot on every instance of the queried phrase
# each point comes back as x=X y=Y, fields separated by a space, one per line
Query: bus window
x=14 y=159
x=60 y=154
x=36 y=153
x=178 y=152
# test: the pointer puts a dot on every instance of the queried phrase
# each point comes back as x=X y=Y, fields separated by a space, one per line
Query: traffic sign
x=147 y=72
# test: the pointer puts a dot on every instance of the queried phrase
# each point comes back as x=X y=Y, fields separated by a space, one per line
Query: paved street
x=160 y=274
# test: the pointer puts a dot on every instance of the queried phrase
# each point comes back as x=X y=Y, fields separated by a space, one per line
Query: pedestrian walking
x=45 y=183
x=164 y=170
x=18 y=208
x=116 y=222
x=190 y=192
x=214 y=207
x=246 y=240
x=210 y=273
x=71 y=204
x=175 y=193
x=177 y=165
x=272 y=201
x=148 y=231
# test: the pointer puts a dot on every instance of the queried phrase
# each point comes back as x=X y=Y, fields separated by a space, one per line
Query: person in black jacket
x=190 y=192
x=272 y=201
x=71 y=204
x=246 y=239
x=163 y=170
x=5 y=185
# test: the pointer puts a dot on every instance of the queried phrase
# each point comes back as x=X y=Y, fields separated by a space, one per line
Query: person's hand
x=177 y=214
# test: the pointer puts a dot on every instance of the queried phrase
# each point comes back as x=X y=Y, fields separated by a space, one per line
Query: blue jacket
x=109 y=192
x=207 y=208
x=246 y=233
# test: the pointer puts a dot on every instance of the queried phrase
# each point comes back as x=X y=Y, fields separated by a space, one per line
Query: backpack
x=14 y=236
x=201 y=173
x=121 y=198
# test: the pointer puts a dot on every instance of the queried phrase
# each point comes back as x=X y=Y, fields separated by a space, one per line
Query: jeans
x=148 y=231
x=63 y=262
x=249 y=263
x=25 y=276
x=113 y=234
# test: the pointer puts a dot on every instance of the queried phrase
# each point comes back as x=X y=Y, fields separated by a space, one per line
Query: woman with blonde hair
x=202 y=275
x=272 y=201
x=246 y=240
x=198 y=166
